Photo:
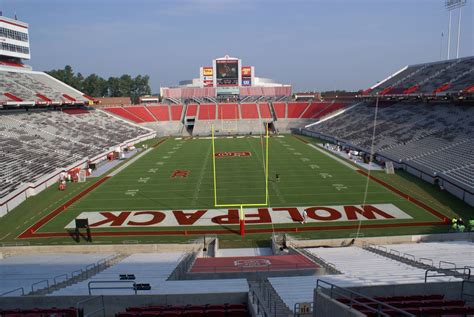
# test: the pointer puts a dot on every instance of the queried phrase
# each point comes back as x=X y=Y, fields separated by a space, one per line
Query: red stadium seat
x=207 y=112
x=280 y=109
x=215 y=312
x=228 y=111
x=176 y=112
x=296 y=109
x=125 y=114
x=249 y=111
x=161 y=113
x=191 y=110
x=141 y=112
x=264 y=110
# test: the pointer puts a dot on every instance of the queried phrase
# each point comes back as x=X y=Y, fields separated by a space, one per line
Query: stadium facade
x=227 y=78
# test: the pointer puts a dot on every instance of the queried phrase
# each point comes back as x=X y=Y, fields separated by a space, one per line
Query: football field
x=170 y=191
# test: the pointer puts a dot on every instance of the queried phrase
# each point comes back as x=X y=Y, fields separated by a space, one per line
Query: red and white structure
x=227 y=76
x=21 y=86
x=14 y=39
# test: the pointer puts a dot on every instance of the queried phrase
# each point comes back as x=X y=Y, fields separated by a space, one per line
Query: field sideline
x=176 y=178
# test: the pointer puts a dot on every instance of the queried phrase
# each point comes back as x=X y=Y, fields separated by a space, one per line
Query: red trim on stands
x=367 y=91
x=411 y=90
x=43 y=97
x=441 y=88
x=69 y=98
x=13 y=64
x=386 y=90
x=88 y=97
x=12 y=97
x=16 y=24
x=469 y=89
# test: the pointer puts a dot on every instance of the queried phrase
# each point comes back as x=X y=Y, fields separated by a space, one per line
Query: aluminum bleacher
x=21 y=271
x=364 y=269
x=450 y=76
x=433 y=140
x=459 y=253
x=36 y=143
x=25 y=86
x=153 y=269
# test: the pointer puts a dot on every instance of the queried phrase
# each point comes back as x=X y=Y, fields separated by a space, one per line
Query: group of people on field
x=458 y=224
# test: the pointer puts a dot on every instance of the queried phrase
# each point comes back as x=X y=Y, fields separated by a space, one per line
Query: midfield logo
x=180 y=173
x=209 y=217
x=232 y=154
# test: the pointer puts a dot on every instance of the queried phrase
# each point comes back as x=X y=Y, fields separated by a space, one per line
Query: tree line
x=96 y=86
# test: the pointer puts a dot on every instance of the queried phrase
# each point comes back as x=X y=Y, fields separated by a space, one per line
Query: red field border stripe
x=158 y=143
x=301 y=139
x=407 y=197
x=31 y=230
x=235 y=231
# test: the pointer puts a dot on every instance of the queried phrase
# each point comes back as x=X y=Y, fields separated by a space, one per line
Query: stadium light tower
x=451 y=5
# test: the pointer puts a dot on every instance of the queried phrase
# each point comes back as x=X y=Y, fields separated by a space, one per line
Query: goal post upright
x=241 y=205
x=214 y=164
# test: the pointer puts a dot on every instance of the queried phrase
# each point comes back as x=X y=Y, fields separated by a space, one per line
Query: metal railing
x=333 y=290
x=132 y=287
x=312 y=257
x=100 y=309
x=466 y=272
x=266 y=299
x=40 y=282
x=464 y=294
x=14 y=290
x=61 y=279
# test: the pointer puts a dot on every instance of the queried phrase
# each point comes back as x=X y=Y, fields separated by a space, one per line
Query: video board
x=227 y=72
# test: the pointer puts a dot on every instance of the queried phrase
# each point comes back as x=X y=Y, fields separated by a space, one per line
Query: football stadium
x=230 y=194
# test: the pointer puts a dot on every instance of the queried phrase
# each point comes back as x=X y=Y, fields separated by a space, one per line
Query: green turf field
x=307 y=177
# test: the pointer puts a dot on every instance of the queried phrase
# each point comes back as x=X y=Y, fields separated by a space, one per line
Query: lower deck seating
x=37 y=143
x=280 y=109
x=142 y=113
x=228 y=111
x=296 y=109
x=249 y=111
x=207 y=112
x=40 y=312
x=264 y=110
x=419 y=305
x=124 y=113
x=209 y=310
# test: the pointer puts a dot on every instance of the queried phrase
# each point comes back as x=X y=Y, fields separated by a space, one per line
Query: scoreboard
x=227 y=72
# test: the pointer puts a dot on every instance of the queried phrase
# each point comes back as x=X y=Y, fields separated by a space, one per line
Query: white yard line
x=6 y=236
x=129 y=162
x=334 y=157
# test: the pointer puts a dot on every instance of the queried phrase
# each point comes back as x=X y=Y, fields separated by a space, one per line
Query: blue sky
x=313 y=45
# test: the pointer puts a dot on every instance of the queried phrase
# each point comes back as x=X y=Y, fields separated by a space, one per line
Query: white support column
x=459 y=32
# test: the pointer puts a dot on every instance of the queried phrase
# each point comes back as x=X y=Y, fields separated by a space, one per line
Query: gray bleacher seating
x=26 y=84
x=437 y=139
x=24 y=270
x=36 y=143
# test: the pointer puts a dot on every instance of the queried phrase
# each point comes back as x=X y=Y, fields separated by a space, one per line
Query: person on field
x=454 y=224
x=304 y=215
